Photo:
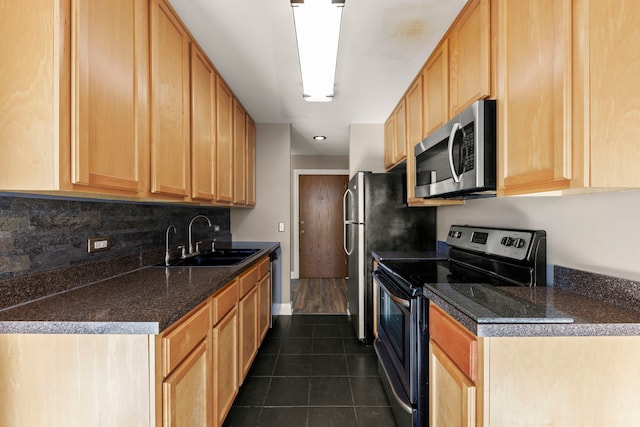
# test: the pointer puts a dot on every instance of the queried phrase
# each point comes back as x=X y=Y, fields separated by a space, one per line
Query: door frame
x=295 y=273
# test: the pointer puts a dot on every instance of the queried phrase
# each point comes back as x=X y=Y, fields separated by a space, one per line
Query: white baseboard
x=282 y=309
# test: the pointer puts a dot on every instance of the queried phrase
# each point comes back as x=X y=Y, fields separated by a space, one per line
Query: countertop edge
x=532 y=329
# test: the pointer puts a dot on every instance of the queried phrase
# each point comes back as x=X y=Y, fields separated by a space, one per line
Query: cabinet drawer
x=247 y=281
x=178 y=342
x=263 y=267
x=460 y=345
x=224 y=301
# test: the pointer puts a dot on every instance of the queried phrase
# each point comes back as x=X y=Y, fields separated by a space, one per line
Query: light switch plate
x=281 y=226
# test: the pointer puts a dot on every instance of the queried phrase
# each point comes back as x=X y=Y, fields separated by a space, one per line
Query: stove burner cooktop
x=417 y=273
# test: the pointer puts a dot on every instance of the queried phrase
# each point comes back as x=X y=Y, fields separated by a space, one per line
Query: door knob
x=301 y=231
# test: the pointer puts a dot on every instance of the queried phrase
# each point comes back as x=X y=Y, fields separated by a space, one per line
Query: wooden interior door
x=321 y=252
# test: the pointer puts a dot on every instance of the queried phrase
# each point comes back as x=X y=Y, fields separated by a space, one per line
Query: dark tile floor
x=311 y=371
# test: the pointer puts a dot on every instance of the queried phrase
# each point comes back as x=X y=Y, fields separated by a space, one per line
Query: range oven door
x=393 y=347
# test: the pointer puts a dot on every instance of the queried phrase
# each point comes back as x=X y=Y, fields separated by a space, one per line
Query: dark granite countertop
x=144 y=301
x=558 y=312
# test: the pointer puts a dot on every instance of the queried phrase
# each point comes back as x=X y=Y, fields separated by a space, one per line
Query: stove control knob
x=518 y=243
x=506 y=241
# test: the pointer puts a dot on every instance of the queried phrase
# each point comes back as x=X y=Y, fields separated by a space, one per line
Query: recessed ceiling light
x=319 y=138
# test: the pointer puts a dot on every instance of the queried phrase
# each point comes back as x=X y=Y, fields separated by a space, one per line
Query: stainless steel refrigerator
x=377 y=218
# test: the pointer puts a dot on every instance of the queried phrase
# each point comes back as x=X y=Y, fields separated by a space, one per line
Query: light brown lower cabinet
x=186 y=376
x=185 y=393
x=264 y=302
x=225 y=351
x=455 y=402
x=568 y=381
x=248 y=313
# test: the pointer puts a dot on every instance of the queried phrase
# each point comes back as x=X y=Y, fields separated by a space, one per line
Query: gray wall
x=273 y=183
x=319 y=162
x=38 y=234
x=366 y=148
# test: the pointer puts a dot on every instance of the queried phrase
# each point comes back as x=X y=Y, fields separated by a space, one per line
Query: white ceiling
x=383 y=45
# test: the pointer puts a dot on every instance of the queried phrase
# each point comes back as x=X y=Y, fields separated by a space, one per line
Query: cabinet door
x=248 y=331
x=612 y=36
x=110 y=124
x=203 y=126
x=389 y=141
x=534 y=66
x=452 y=396
x=400 y=142
x=251 y=162
x=169 y=102
x=239 y=153
x=224 y=142
x=264 y=297
x=470 y=56
x=436 y=89
x=225 y=365
x=414 y=131
x=186 y=401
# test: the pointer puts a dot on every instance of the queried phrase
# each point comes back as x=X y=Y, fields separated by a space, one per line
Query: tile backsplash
x=44 y=234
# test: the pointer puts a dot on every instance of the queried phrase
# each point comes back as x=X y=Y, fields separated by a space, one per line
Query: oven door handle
x=397 y=299
x=452 y=137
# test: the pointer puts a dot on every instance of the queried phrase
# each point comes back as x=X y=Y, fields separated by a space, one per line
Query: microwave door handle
x=452 y=136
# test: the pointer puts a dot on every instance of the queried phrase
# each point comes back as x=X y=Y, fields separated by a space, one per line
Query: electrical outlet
x=97 y=244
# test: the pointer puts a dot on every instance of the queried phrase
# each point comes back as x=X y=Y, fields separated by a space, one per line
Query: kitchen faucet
x=167 y=254
x=191 y=251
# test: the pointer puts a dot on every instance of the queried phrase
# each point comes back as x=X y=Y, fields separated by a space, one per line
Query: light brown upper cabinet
x=74 y=97
x=239 y=154
x=568 y=92
x=389 y=141
x=396 y=136
x=203 y=126
x=470 y=56
x=608 y=74
x=436 y=89
x=413 y=102
x=400 y=147
x=109 y=94
x=224 y=143
x=251 y=162
x=170 y=103
x=534 y=54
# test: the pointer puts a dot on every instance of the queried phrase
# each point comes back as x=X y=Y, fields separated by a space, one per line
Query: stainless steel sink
x=217 y=258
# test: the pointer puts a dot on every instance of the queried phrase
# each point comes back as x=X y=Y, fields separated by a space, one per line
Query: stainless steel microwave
x=458 y=160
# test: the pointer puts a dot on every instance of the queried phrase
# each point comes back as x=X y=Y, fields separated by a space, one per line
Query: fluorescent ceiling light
x=317 y=25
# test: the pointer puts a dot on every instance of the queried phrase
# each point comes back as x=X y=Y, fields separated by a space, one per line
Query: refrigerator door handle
x=345 y=222
x=345 y=203
x=344 y=241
